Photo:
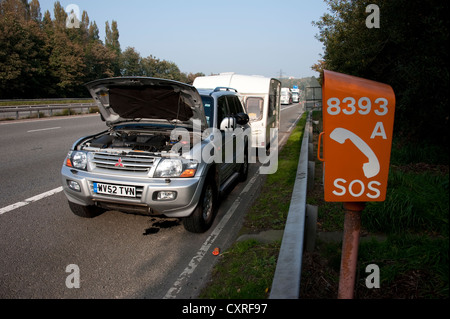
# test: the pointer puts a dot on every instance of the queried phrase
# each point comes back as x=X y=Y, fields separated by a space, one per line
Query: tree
x=408 y=51
x=35 y=11
x=21 y=70
x=93 y=32
x=60 y=16
x=112 y=37
x=131 y=63
x=66 y=63
x=157 y=68
x=112 y=43
x=190 y=77
x=100 y=61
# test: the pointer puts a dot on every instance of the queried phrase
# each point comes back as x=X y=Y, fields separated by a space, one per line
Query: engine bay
x=131 y=141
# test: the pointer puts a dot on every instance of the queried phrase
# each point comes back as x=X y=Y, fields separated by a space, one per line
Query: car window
x=222 y=109
x=234 y=104
x=239 y=105
x=254 y=106
x=208 y=106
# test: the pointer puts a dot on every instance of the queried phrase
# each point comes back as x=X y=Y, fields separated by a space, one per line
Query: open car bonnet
x=147 y=100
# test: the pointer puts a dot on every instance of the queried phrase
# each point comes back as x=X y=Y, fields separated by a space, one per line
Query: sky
x=250 y=37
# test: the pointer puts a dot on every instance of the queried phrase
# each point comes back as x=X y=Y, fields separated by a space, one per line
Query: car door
x=235 y=107
x=226 y=167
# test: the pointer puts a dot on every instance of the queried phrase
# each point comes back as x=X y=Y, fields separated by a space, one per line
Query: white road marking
x=195 y=261
x=44 y=129
x=54 y=118
x=30 y=200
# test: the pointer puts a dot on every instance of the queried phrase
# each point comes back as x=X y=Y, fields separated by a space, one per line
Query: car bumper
x=187 y=190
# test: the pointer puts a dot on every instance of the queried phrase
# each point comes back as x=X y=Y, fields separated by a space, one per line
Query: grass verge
x=413 y=260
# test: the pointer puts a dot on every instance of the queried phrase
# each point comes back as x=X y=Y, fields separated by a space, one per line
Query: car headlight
x=175 y=167
x=77 y=159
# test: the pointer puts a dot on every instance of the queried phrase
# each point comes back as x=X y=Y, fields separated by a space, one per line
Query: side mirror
x=228 y=123
x=242 y=118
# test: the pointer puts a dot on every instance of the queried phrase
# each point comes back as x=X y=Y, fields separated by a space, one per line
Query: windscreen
x=208 y=107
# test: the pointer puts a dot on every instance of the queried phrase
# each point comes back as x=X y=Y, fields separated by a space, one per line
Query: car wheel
x=243 y=171
x=203 y=216
x=85 y=211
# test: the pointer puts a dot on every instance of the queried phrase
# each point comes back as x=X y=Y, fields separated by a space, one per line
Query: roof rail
x=224 y=88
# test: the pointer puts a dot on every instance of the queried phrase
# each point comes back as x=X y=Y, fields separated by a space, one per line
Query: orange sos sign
x=358 y=122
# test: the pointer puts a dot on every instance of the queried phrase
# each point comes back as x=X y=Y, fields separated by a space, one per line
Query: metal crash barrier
x=38 y=109
x=300 y=225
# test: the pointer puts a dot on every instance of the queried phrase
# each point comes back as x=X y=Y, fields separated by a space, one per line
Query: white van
x=261 y=99
x=286 y=96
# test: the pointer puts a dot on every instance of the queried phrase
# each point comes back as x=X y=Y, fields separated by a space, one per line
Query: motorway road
x=118 y=255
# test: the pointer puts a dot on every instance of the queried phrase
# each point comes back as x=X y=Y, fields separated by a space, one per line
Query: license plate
x=116 y=190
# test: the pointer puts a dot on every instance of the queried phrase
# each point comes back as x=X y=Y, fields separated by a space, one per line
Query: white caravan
x=261 y=98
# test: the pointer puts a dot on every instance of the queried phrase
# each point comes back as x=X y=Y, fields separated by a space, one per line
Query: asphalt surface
x=116 y=255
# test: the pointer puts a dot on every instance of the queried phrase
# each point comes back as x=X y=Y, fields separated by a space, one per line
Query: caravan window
x=254 y=107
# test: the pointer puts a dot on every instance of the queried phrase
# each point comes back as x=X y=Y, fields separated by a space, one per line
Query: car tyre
x=203 y=216
x=243 y=171
x=85 y=211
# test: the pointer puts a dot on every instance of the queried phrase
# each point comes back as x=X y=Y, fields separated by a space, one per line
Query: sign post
x=350 y=244
x=358 y=124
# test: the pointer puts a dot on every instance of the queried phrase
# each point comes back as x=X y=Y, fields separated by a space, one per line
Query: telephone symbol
x=372 y=167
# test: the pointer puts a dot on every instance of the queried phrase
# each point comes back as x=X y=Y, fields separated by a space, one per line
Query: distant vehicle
x=295 y=94
x=286 y=96
x=261 y=98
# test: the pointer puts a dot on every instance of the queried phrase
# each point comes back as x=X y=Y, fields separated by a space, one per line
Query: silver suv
x=169 y=150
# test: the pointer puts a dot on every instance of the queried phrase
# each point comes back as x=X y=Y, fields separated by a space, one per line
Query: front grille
x=128 y=163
